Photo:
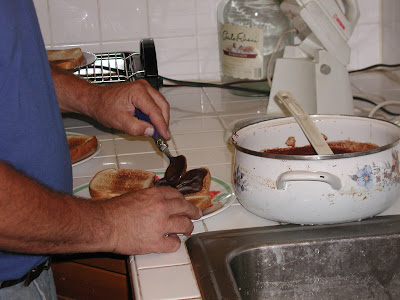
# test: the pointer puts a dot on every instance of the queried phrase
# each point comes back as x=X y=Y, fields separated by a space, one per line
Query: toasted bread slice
x=81 y=146
x=202 y=202
x=111 y=183
x=67 y=64
x=67 y=58
x=195 y=187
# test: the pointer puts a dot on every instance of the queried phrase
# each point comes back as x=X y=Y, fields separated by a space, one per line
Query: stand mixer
x=314 y=71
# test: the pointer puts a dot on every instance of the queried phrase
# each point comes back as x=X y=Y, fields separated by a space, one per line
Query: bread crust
x=66 y=58
x=202 y=198
x=81 y=146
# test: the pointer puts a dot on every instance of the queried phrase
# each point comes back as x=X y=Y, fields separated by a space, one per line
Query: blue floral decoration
x=385 y=175
x=364 y=177
x=239 y=180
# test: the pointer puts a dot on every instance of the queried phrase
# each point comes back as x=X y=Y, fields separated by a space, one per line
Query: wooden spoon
x=307 y=125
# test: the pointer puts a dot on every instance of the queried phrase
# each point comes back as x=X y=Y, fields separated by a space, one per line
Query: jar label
x=242 y=51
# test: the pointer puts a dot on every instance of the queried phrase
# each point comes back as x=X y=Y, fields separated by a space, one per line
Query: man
x=38 y=215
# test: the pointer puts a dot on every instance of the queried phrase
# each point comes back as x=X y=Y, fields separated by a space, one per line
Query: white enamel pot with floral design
x=317 y=189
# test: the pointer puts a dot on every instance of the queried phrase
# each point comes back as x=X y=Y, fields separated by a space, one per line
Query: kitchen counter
x=201 y=122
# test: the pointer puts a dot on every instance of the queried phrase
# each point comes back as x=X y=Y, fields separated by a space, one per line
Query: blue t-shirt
x=32 y=136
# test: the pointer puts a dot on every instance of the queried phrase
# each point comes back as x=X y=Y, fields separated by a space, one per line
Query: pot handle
x=328 y=178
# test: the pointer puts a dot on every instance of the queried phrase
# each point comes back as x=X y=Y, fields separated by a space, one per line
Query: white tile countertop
x=201 y=123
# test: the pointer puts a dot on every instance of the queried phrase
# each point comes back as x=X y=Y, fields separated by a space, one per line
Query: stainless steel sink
x=359 y=260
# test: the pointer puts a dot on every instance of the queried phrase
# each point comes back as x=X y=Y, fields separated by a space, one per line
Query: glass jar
x=248 y=33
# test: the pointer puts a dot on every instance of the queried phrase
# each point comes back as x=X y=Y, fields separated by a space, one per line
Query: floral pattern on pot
x=240 y=182
x=364 y=177
x=386 y=179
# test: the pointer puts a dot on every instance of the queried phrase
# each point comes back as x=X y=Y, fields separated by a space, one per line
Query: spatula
x=307 y=125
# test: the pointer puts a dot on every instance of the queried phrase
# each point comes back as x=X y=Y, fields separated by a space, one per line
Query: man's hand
x=149 y=220
x=115 y=107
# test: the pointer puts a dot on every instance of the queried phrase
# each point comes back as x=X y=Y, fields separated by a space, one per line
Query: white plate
x=89 y=59
x=222 y=200
x=90 y=155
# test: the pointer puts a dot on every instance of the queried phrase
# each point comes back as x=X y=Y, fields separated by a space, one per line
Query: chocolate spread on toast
x=190 y=183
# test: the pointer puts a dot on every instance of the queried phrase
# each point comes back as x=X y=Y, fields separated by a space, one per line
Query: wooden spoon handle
x=307 y=125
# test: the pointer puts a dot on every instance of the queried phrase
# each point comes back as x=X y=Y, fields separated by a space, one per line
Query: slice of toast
x=81 y=146
x=202 y=202
x=67 y=64
x=67 y=58
x=111 y=182
x=195 y=187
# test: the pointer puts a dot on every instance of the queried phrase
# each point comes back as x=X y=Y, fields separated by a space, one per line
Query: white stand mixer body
x=314 y=72
x=321 y=85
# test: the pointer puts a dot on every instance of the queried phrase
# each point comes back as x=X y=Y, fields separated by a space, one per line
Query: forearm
x=73 y=93
x=34 y=219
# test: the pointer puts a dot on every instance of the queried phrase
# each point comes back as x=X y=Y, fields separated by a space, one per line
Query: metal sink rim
x=211 y=262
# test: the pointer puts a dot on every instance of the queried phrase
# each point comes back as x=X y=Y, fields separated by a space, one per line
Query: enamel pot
x=317 y=189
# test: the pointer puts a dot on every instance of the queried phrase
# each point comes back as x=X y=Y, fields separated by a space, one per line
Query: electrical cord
x=374 y=98
x=381 y=105
x=377 y=105
x=375 y=67
x=228 y=86
x=182 y=83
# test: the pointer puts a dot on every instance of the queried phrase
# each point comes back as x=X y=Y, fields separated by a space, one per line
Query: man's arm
x=34 y=219
x=113 y=105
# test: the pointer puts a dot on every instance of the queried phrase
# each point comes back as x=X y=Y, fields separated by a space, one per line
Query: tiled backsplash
x=390 y=31
x=185 y=31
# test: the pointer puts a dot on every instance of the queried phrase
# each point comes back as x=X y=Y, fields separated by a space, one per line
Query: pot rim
x=309 y=157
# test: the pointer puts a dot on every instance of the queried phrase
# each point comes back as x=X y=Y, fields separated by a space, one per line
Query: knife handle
x=142 y=116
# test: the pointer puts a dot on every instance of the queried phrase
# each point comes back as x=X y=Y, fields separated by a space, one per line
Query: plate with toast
x=82 y=147
x=70 y=59
x=211 y=195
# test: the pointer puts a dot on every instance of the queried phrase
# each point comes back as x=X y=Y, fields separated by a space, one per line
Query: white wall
x=185 y=31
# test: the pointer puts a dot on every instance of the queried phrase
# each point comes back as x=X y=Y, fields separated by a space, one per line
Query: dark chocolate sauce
x=175 y=170
x=190 y=183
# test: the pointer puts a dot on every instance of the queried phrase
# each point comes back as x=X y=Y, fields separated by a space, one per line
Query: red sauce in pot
x=338 y=147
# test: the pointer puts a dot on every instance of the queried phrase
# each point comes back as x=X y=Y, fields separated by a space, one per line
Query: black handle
x=148 y=59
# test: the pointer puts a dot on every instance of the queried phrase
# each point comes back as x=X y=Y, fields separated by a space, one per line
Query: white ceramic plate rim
x=88 y=60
